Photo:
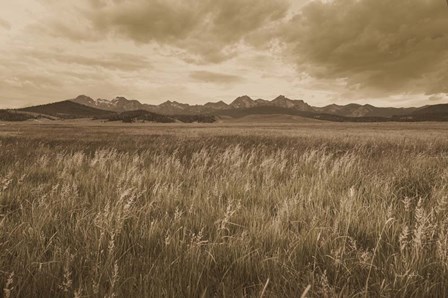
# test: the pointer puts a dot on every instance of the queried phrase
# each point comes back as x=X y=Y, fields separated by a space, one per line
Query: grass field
x=227 y=210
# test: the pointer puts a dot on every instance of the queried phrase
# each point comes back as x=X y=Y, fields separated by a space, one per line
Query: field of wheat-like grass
x=224 y=215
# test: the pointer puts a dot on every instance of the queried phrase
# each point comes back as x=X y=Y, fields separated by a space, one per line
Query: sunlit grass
x=169 y=216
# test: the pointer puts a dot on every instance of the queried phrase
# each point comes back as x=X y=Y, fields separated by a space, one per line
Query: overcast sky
x=383 y=52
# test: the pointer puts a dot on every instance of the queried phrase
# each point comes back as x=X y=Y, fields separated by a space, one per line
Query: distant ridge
x=65 y=109
x=244 y=105
x=440 y=109
x=127 y=110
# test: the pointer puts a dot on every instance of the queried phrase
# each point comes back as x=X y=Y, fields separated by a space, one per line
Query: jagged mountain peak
x=284 y=102
x=243 y=102
x=120 y=99
x=173 y=103
x=244 y=98
x=82 y=96
x=333 y=105
x=284 y=98
x=280 y=97
x=85 y=100
x=219 y=104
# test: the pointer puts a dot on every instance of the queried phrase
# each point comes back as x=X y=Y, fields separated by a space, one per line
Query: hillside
x=66 y=110
x=428 y=113
x=440 y=109
x=273 y=110
x=269 y=119
x=356 y=110
x=12 y=115
x=261 y=110
x=138 y=115
x=146 y=116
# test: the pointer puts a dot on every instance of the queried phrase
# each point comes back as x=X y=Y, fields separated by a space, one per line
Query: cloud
x=215 y=78
x=57 y=28
x=377 y=46
x=371 y=51
x=438 y=97
x=115 y=61
x=5 y=24
x=38 y=76
x=206 y=30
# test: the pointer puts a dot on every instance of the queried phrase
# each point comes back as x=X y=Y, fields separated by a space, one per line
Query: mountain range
x=127 y=110
x=121 y=104
x=244 y=105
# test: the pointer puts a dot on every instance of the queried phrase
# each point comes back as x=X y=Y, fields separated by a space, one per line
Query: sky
x=381 y=52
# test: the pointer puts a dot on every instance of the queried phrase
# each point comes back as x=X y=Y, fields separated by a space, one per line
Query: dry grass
x=224 y=211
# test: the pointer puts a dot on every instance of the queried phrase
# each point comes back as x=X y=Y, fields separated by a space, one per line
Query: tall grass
x=167 y=216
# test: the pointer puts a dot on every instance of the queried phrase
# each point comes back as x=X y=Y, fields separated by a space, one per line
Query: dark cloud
x=216 y=78
x=377 y=45
x=146 y=21
x=206 y=30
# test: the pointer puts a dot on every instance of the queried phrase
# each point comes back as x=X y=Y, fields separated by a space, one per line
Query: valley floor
x=318 y=209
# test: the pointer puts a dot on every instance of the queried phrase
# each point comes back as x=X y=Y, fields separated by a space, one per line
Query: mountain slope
x=146 y=116
x=284 y=102
x=269 y=119
x=439 y=109
x=220 y=105
x=261 y=110
x=66 y=109
x=356 y=110
x=243 y=102
x=13 y=115
x=138 y=115
x=437 y=112
x=273 y=110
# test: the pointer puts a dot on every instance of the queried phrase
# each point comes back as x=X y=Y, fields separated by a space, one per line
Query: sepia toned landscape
x=231 y=148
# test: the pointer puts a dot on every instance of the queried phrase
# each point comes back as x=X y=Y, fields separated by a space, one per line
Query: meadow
x=224 y=210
